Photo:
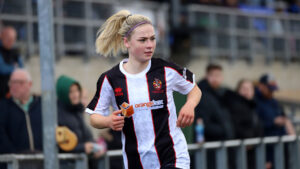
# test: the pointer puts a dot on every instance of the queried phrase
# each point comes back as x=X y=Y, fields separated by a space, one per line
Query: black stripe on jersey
x=131 y=144
x=163 y=141
x=94 y=102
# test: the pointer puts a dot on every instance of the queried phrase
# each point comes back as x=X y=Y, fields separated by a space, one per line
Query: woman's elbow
x=93 y=121
x=198 y=91
x=97 y=121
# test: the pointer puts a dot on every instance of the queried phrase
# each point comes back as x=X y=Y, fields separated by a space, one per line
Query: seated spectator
x=20 y=117
x=294 y=6
x=70 y=114
x=274 y=120
x=246 y=122
x=217 y=121
x=231 y=3
x=9 y=58
x=242 y=107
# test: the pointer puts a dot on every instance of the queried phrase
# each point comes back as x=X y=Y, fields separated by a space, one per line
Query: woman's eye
x=152 y=39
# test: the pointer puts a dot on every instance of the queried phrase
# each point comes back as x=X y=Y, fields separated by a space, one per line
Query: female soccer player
x=151 y=137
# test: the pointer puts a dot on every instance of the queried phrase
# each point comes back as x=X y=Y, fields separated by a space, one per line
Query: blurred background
x=244 y=39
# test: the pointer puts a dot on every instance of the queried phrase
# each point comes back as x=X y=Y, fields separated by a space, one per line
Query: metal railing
x=200 y=154
x=76 y=30
x=13 y=160
x=240 y=34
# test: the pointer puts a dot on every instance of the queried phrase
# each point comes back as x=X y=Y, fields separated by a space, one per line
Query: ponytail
x=110 y=36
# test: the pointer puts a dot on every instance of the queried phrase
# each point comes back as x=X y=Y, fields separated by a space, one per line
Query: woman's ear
x=126 y=42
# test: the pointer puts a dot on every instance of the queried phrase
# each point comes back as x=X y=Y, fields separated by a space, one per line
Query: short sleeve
x=101 y=102
x=182 y=79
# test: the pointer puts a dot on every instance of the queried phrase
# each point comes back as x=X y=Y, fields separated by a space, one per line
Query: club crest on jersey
x=157 y=85
x=118 y=91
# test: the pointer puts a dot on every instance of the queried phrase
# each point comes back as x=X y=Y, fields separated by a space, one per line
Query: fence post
x=269 y=38
x=213 y=41
x=287 y=46
x=47 y=66
x=279 y=155
x=233 y=38
x=241 y=156
x=200 y=158
x=221 y=155
x=14 y=164
x=106 y=163
x=251 y=40
x=102 y=162
x=294 y=154
x=81 y=163
x=260 y=155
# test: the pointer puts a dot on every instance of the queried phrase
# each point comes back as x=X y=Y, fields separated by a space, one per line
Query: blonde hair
x=110 y=36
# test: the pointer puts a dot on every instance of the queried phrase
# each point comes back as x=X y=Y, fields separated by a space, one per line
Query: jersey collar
x=141 y=74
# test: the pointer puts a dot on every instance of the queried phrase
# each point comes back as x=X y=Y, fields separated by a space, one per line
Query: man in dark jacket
x=217 y=121
x=268 y=108
x=9 y=58
x=20 y=117
x=275 y=122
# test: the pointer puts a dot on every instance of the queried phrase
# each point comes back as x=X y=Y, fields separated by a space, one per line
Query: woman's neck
x=134 y=67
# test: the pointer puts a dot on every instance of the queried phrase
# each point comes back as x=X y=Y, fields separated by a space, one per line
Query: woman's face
x=247 y=90
x=74 y=94
x=142 y=43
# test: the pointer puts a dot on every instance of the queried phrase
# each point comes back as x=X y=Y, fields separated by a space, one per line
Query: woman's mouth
x=148 y=53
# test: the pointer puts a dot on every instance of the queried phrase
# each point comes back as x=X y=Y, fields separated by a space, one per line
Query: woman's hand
x=116 y=122
x=88 y=147
x=187 y=112
x=186 y=116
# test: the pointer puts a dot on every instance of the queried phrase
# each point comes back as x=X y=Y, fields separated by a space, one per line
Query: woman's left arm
x=187 y=112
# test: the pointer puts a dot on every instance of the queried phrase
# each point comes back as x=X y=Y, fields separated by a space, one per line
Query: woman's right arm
x=113 y=121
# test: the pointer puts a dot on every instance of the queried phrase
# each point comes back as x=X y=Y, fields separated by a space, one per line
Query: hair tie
x=128 y=16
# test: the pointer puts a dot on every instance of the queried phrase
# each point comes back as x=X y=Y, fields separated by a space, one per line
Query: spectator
x=294 y=6
x=70 y=114
x=245 y=119
x=217 y=121
x=274 y=120
x=242 y=107
x=20 y=117
x=9 y=58
x=270 y=111
x=231 y=3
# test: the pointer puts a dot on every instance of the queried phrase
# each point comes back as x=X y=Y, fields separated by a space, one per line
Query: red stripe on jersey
x=169 y=114
x=153 y=122
x=100 y=91
x=137 y=145
x=178 y=73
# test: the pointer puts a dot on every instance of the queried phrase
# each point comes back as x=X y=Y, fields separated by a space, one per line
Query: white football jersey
x=150 y=137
